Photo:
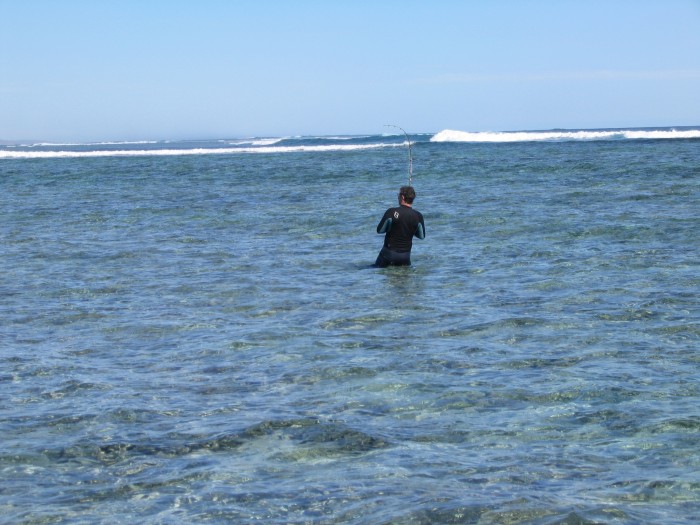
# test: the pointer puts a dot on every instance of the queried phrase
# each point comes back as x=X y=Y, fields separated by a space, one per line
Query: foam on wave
x=255 y=142
x=449 y=135
x=5 y=154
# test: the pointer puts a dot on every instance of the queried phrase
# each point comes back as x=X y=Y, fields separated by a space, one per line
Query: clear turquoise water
x=198 y=339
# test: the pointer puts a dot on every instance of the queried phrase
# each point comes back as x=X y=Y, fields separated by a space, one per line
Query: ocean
x=192 y=332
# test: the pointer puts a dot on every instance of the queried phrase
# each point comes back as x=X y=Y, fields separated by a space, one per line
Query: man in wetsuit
x=400 y=225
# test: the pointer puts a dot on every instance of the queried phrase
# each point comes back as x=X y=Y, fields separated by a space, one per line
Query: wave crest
x=7 y=154
x=449 y=135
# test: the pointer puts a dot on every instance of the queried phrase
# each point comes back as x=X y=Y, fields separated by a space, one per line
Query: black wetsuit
x=400 y=225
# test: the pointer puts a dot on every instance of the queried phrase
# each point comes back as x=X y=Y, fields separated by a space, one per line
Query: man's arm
x=420 y=229
x=385 y=224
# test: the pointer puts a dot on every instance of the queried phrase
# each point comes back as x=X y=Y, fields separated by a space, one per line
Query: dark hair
x=408 y=193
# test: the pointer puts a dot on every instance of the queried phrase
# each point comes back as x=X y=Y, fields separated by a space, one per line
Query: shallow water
x=200 y=339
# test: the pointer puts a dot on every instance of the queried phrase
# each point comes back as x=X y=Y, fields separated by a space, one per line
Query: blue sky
x=150 y=69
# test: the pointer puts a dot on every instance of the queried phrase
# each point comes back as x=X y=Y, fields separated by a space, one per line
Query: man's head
x=407 y=193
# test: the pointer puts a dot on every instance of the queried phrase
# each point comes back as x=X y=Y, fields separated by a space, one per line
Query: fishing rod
x=410 y=153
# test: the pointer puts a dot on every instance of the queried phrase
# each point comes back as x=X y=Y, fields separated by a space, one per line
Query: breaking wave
x=325 y=144
x=449 y=135
x=68 y=153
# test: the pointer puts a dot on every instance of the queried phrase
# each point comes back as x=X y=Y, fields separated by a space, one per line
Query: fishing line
x=410 y=153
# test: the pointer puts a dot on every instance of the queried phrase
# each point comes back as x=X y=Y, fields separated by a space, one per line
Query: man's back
x=405 y=222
